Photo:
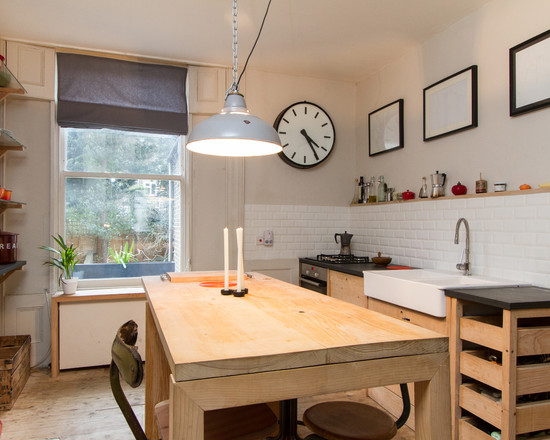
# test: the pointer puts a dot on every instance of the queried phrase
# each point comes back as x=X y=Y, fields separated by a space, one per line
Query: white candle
x=225 y=259
x=240 y=271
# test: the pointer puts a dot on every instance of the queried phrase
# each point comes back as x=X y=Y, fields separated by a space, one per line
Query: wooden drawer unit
x=346 y=287
x=502 y=363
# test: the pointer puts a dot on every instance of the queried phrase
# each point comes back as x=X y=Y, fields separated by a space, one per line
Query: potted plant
x=64 y=259
x=123 y=256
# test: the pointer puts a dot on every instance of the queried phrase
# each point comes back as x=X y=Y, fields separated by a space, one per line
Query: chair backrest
x=126 y=356
x=126 y=362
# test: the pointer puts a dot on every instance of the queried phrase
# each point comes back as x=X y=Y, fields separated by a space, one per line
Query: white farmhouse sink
x=422 y=289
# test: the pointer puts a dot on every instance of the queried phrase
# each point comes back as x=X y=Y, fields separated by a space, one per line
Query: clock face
x=307 y=134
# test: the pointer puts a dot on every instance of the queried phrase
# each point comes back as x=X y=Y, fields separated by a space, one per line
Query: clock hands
x=311 y=142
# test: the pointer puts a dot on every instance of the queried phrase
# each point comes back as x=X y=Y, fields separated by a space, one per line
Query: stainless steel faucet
x=465 y=263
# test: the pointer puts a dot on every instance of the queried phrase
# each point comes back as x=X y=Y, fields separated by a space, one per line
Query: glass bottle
x=360 y=197
x=372 y=190
x=382 y=187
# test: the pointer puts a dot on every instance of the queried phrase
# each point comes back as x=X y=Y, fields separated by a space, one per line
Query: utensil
x=408 y=195
x=423 y=193
x=438 y=184
x=380 y=260
x=345 y=242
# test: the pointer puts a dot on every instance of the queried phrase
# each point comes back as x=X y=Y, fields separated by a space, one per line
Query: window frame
x=58 y=212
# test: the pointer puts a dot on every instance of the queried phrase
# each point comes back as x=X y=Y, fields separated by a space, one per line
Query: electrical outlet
x=268 y=237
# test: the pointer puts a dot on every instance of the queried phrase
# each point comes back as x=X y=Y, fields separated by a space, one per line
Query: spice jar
x=481 y=185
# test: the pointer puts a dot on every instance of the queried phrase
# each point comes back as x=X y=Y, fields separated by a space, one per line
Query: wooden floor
x=78 y=405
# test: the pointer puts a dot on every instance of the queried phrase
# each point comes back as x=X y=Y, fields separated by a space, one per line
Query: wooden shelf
x=465 y=196
x=7 y=269
x=7 y=204
x=5 y=91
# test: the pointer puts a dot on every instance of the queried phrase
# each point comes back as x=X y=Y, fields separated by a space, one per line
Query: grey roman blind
x=98 y=92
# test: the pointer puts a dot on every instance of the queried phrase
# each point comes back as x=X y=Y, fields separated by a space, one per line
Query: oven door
x=312 y=284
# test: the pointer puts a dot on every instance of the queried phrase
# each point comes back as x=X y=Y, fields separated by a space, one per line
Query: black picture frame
x=450 y=105
x=386 y=128
x=530 y=75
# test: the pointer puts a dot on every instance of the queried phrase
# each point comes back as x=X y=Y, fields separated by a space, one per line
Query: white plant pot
x=69 y=286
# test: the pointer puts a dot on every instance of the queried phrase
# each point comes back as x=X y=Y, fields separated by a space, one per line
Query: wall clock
x=307 y=134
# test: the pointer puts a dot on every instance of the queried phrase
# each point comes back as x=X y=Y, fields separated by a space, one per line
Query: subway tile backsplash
x=509 y=235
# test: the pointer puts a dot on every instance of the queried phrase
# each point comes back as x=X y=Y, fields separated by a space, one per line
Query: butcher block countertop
x=276 y=326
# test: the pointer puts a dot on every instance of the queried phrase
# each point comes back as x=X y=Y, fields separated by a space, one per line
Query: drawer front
x=487 y=409
x=417 y=318
x=532 y=416
x=467 y=431
x=473 y=364
x=532 y=341
x=481 y=331
x=533 y=378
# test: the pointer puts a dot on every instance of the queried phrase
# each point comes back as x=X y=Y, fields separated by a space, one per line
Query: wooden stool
x=354 y=421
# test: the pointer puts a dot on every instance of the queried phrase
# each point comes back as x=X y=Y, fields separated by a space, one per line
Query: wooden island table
x=280 y=342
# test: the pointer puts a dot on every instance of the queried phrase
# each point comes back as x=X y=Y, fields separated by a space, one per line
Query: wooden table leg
x=157 y=375
x=186 y=417
x=433 y=406
x=54 y=335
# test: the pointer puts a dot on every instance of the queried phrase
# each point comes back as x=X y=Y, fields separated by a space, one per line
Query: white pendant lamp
x=234 y=131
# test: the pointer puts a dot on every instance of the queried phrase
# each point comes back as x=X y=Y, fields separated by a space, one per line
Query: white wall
x=509 y=235
x=513 y=150
x=269 y=180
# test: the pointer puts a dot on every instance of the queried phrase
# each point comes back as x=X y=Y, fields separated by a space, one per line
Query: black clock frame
x=282 y=154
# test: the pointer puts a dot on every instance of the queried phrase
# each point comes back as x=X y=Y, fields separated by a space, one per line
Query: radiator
x=87 y=330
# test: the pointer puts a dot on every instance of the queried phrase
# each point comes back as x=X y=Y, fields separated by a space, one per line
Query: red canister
x=8 y=247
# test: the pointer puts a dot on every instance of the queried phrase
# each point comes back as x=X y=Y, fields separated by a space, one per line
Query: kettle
x=345 y=242
x=438 y=184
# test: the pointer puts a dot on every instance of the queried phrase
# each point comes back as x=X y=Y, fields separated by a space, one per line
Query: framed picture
x=450 y=105
x=530 y=75
x=386 y=128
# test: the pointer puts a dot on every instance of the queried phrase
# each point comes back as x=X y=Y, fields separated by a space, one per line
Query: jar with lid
x=382 y=188
x=372 y=190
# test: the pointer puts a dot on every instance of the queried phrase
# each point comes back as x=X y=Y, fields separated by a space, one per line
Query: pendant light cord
x=236 y=78
x=255 y=42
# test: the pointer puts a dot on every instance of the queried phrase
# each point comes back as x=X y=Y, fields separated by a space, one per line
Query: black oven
x=313 y=278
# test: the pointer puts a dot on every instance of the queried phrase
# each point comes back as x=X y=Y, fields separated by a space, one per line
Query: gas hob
x=342 y=259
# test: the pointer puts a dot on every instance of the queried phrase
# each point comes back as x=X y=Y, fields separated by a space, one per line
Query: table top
x=276 y=326
x=509 y=298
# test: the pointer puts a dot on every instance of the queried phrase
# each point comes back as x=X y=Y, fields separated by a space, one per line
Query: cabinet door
x=418 y=318
x=347 y=288
x=207 y=86
x=34 y=67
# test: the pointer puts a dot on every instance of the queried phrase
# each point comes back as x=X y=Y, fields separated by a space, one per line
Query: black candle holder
x=235 y=292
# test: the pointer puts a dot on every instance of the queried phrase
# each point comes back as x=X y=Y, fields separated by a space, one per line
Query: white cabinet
x=207 y=86
x=34 y=67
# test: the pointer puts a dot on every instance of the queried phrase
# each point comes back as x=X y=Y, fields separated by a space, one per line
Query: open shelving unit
x=9 y=143
x=502 y=363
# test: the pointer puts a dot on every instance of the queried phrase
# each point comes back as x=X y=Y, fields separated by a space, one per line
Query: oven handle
x=313 y=283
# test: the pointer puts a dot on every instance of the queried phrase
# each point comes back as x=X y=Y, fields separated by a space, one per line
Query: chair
x=354 y=421
x=249 y=422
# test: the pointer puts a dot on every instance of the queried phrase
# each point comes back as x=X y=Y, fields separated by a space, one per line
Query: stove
x=342 y=259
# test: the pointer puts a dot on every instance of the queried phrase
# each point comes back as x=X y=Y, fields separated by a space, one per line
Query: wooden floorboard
x=79 y=405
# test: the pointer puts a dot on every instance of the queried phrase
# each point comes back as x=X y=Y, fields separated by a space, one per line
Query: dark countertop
x=349 y=268
x=509 y=298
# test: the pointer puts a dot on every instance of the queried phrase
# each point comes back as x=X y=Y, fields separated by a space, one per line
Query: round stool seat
x=349 y=421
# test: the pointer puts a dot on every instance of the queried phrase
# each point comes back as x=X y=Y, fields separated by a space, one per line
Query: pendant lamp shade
x=234 y=132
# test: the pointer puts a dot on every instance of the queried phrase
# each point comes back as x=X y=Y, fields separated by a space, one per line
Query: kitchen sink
x=423 y=289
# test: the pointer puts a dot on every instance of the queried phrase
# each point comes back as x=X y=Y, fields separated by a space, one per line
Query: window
x=121 y=181
x=122 y=201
